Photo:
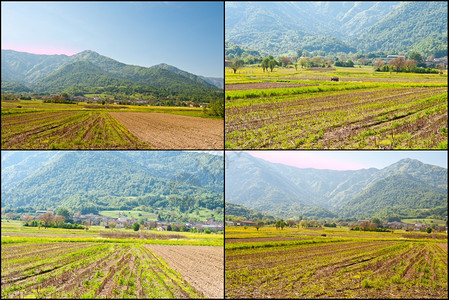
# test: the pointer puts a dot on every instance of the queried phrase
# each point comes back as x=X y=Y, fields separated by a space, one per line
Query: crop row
x=373 y=119
x=66 y=129
x=363 y=269
x=91 y=270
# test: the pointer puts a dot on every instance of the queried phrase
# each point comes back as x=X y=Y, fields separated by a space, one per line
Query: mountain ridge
x=51 y=73
x=107 y=180
x=309 y=191
x=285 y=27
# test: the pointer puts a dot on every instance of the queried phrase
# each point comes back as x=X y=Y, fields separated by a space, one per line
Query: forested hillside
x=279 y=28
x=90 y=181
x=407 y=188
x=90 y=72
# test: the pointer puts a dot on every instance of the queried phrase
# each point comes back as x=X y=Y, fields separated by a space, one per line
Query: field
x=300 y=263
x=102 y=263
x=289 y=109
x=424 y=221
x=37 y=125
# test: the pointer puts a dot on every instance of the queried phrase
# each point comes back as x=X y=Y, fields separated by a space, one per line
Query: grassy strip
x=244 y=94
x=199 y=242
x=234 y=246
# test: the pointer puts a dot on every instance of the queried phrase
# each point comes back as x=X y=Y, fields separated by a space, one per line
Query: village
x=364 y=224
x=87 y=220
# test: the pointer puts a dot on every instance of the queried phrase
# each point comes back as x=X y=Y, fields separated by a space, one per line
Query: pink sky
x=309 y=159
x=41 y=50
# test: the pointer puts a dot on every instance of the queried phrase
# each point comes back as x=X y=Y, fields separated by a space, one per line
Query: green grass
x=424 y=221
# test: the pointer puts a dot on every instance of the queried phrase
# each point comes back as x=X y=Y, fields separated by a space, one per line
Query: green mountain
x=408 y=26
x=284 y=27
x=399 y=192
x=241 y=211
x=234 y=50
x=28 y=68
x=81 y=75
x=90 y=72
x=90 y=181
x=407 y=188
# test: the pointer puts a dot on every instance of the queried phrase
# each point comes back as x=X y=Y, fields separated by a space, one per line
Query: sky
x=349 y=160
x=187 y=35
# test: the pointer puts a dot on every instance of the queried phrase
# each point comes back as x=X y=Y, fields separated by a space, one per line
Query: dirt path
x=201 y=266
x=166 y=131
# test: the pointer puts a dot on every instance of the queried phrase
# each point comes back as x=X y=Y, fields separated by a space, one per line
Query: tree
x=378 y=64
x=59 y=220
x=283 y=224
x=46 y=218
x=112 y=224
x=65 y=213
x=285 y=61
x=258 y=225
x=86 y=224
x=377 y=221
x=280 y=223
x=236 y=64
x=429 y=230
x=414 y=55
x=304 y=62
x=398 y=63
x=272 y=64
x=27 y=219
x=265 y=63
x=410 y=65
x=136 y=226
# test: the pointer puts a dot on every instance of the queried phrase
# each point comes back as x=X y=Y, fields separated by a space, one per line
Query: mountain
x=241 y=211
x=407 y=187
x=90 y=181
x=216 y=81
x=17 y=165
x=407 y=26
x=90 y=72
x=284 y=27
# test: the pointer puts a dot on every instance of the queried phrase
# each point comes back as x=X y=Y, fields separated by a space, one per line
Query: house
x=38 y=212
x=395 y=56
x=245 y=223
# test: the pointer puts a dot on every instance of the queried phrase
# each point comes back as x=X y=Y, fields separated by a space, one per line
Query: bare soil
x=201 y=266
x=167 y=131
x=262 y=85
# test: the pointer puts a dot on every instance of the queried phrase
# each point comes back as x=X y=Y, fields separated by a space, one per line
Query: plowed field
x=66 y=129
x=165 y=131
x=288 y=109
x=201 y=266
x=89 y=270
x=387 y=266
